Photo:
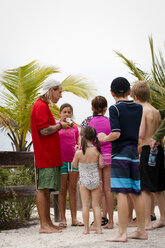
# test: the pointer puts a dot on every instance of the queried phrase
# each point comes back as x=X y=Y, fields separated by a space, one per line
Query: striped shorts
x=125 y=171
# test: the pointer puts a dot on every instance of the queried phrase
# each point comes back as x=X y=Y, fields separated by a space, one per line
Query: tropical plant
x=21 y=89
x=155 y=78
x=16 y=212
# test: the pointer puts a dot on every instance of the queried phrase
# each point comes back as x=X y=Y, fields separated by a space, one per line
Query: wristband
x=60 y=126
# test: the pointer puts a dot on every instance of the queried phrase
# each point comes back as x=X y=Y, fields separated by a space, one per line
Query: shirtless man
x=150 y=175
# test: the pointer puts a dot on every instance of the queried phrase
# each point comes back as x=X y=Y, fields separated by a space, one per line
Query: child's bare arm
x=101 y=161
x=111 y=137
x=75 y=160
x=142 y=129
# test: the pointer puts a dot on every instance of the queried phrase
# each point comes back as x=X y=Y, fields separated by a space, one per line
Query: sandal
x=78 y=223
x=153 y=217
x=63 y=224
x=104 y=221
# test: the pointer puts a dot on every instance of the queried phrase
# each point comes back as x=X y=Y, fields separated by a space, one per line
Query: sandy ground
x=73 y=237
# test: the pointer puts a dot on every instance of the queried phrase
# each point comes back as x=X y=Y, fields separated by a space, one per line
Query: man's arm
x=160 y=133
x=52 y=129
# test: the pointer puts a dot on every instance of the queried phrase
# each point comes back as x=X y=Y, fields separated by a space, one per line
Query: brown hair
x=99 y=103
x=89 y=133
x=141 y=90
x=66 y=105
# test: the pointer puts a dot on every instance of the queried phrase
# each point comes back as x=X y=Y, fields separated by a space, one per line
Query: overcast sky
x=80 y=36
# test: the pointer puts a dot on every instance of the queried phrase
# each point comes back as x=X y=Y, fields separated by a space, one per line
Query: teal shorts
x=49 y=178
x=67 y=168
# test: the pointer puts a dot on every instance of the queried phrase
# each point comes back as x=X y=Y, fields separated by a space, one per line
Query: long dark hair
x=89 y=133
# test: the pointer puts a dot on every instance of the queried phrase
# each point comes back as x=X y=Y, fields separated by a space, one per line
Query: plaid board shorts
x=125 y=171
x=48 y=178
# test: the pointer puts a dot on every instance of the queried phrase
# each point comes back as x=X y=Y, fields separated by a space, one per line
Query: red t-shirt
x=47 y=151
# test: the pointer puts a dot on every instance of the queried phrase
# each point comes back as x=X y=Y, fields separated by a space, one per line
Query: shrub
x=16 y=212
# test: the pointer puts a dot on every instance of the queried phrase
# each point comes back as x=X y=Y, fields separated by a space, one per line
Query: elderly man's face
x=56 y=94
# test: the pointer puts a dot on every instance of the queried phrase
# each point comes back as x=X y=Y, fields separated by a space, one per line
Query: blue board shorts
x=67 y=168
x=125 y=171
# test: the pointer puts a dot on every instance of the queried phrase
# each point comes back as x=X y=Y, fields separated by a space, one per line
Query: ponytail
x=83 y=144
x=89 y=133
x=97 y=142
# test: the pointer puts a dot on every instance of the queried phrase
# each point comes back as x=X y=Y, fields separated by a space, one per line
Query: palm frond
x=79 y=86
x=24 y=82
x=156 y=79
x=133 y=69
x=21 y=89
x=55 y=111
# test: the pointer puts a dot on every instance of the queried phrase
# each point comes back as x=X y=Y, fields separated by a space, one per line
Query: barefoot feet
x=109 y=225
x=86 y=231
x=159 y=224
x=138 y=235
x=118 y=238
x=49 y=229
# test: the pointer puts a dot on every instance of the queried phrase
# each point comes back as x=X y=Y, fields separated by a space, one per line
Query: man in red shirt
x=47 y=151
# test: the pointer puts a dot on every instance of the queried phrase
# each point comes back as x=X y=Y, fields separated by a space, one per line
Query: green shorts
x=49 y=178
x=67 y=167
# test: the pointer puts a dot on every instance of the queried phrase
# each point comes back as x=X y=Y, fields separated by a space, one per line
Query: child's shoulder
x=86 y=121
x=149 y=110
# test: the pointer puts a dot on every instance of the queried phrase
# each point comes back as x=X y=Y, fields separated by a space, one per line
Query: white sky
x=80 y=36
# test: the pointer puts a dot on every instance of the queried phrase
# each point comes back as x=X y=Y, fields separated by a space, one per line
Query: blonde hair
x=141 y=91
x=47 y=97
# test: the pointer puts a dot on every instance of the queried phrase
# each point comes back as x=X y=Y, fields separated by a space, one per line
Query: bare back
x=151 y=120
x=91 y=155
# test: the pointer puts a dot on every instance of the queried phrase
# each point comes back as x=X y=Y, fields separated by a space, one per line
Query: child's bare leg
x=131 y=222
x=62 y=199
x=161 y=204
x=139 y=205
x=147 y=200
x=85 y=197
x=152 y=204
x=96 y=208
x=73 y=178
x=94 y=225
x=121 y=236
x=104 y=207
x=108 y=196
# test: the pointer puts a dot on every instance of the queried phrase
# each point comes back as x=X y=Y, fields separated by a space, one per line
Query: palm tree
x=156 y=78
x=21 y=89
